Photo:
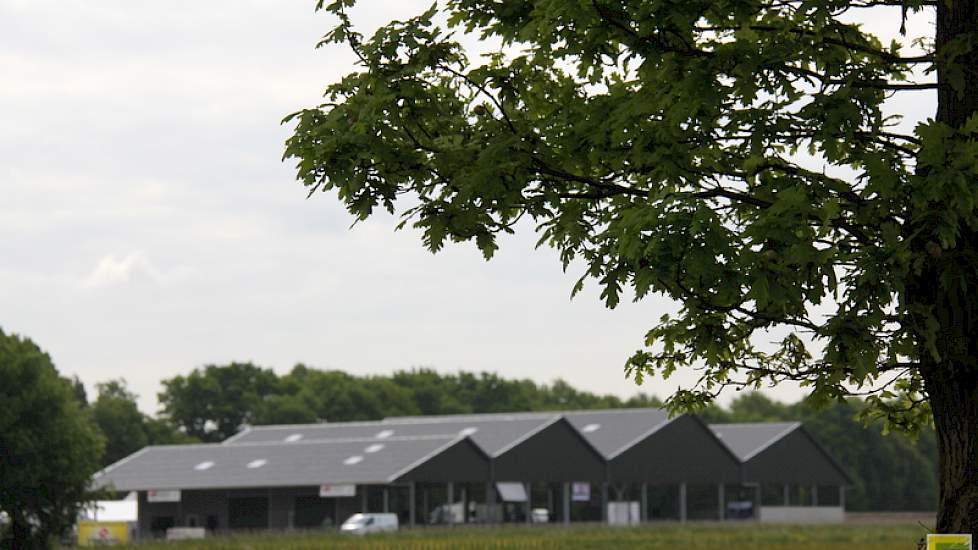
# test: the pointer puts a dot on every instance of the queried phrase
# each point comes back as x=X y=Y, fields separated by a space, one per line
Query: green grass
x=693 y=537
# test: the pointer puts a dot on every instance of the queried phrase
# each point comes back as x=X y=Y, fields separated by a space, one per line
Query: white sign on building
x=160 y=495
x=580 y=491
x=327 y=490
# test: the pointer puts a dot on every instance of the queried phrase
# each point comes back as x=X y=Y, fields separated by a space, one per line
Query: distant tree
x=434 y=393
x=160 y=431
x=125 y=427
x=117 y=416
x=79 y=390
x=757 y=407
x=49 y=447
x=285 y=409
x=337 y=396
x=737 y=157
x=642 y=400
x=214 y=402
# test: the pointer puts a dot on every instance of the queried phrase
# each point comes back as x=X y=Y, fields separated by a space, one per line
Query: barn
x=793 y=477
x=616 y=466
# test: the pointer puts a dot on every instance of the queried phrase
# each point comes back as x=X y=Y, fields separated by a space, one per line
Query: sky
x=149 y=226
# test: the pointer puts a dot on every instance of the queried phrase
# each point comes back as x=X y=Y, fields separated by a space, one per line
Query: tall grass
x=693 y=537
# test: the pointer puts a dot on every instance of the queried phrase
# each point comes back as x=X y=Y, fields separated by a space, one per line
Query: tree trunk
x=22 y=537
x=957 y=20
x=953 y=392
x=952 y=382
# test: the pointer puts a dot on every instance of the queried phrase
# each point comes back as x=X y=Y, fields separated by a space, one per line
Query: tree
x=125 y=427
x=49 y=447
x=117 y=416
x=213 y=403
x=731 y=155
x=79 y=390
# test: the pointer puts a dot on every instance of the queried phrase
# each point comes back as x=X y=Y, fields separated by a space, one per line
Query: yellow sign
x=102 y=533
x=949 y=542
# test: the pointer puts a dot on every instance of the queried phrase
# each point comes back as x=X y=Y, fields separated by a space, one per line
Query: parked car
x=361 y=524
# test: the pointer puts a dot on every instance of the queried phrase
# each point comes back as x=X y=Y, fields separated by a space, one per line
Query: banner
x=949 y=542
x=336 y=491
x=102 y=533
x=155 y=495
x=580 y=491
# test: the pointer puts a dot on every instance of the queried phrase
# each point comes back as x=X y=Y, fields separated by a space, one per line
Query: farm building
x=794 y=478
x=619 y=466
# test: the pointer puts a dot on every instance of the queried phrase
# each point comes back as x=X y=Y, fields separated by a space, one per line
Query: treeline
x=212 y=403
x=890 y=472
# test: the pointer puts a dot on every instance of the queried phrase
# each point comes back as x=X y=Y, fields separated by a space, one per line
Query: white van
x=361 y=524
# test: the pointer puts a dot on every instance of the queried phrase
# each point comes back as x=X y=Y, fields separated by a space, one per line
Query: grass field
x=694 y=537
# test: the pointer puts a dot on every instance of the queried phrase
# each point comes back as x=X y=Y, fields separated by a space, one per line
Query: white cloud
x=134 y=268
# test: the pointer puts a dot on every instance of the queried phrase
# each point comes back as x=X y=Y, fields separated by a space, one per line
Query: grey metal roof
x=610 y=431
x=749 y=439
x=616 y=430
x=214 y=466
x=493 y=435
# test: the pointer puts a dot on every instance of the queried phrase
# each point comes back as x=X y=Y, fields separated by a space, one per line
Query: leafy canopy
x=125 y=428
x=49 y=447
x=732 y=155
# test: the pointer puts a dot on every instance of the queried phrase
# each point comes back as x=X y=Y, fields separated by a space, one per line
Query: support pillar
x=363 y=499
x=528 y=487
x=465 y=503
x=721 y=501
x=682 y=502
x=757 y=502
x=411 y=506
x=643 y=514
x=550 y=499
x=814 y=495
x=425 y=508
x=387 y=501
x=490 y=502
x=450 y=497
x=787 y=495
x=566 y=498
x=842 y=498
x=604 y=502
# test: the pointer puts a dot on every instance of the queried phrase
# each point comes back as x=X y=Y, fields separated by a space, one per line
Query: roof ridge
x=641 y=437
x=303 y=442
x=753 y=424
x=521 y=414
x=537 y=429
x=488 y=417
x=314 y=425
x=429 y=456
x=791 y=427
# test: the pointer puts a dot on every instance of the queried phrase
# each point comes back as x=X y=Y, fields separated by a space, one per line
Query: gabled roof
x=614 y=431
x=749 y=439
x=270 y=464
x=493 y=435
x=610 y=431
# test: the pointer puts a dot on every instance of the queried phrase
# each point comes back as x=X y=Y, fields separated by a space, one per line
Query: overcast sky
x=148 y=225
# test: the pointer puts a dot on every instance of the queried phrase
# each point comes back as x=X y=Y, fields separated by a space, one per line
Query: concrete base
x=802 y=514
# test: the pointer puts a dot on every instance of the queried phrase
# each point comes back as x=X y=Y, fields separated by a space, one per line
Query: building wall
x=685 y=450
x=795 y=458
x=463 y=462
x=207 y=508
x=802 y=514
x=556 y=453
